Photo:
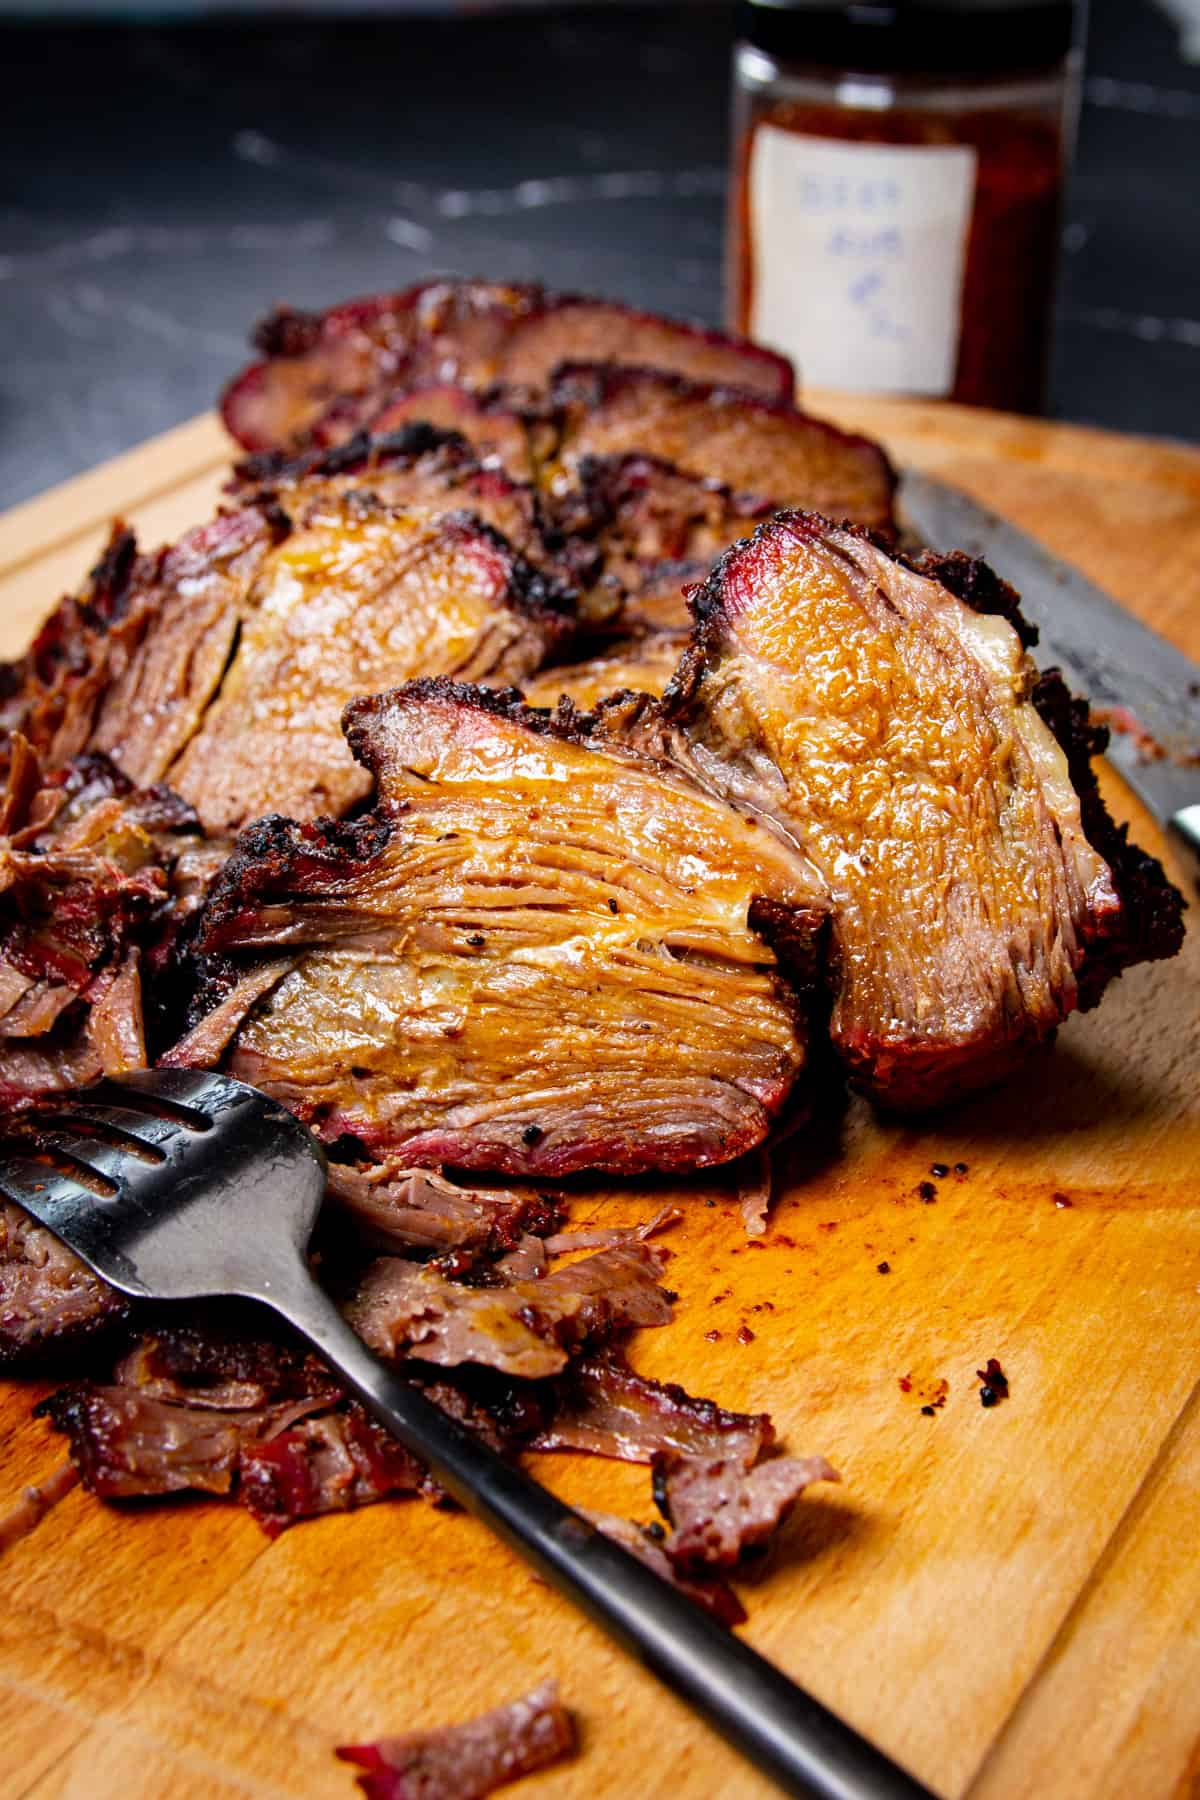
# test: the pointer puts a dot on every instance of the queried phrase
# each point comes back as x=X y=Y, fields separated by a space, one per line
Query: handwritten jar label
x=859 y=251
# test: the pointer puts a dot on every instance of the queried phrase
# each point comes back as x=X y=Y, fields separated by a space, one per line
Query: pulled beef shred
x=721 y=1508
x=464 y=1762
x=709 y=1592
x=606 y=1408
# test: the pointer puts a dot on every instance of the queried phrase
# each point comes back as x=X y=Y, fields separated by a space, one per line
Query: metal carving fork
x=180 y=1186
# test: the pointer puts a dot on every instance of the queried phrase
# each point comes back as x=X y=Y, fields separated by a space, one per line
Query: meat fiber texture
x=471 y=333
x=534 y=955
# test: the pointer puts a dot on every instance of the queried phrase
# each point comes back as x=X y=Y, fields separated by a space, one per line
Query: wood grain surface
x=1008 y=1600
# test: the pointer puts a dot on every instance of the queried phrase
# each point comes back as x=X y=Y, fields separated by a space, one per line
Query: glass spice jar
x=898 y=173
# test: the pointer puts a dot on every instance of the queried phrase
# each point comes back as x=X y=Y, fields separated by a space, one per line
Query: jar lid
x=937 y=36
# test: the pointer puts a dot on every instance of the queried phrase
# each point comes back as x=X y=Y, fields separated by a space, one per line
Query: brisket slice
x=763 y=450
x=88 y=887
x=284 y=1462
x=222 y=665
x=471 y=333
x=647 y=527
x=645 y=1542
x=467 y=1761
x=525 y=1329
x=223 y=1410
x=500 y=434
x=128 y=666
x=358 y=597
x=904 y=743
x=535 y=955
x=419 y=468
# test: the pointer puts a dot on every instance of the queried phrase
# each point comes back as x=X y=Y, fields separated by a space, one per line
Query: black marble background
x=159 y=188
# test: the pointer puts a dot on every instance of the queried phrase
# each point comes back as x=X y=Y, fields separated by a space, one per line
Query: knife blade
x=1103 y=651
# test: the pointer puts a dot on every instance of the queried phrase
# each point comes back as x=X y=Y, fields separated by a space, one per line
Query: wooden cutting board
x=1008 y=1600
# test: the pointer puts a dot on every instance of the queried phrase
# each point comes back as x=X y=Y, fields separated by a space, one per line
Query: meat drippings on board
x=534 y=955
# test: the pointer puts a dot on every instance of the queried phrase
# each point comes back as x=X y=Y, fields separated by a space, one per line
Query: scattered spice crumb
x=745 y=1335
x=960 y=1168
x=713 y=1337
x=906 y=1384
x=927 y=1192
x=829 y=1225
x=928 y=1411
x=1061 y=1200
x=885 y=1268
x=939 y=1171
x=995 y=1383
x=612 y=905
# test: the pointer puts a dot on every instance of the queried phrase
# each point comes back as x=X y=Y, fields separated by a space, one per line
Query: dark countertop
x=162 y=187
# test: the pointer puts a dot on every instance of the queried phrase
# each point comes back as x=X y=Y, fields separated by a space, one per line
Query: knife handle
x=1185 y=827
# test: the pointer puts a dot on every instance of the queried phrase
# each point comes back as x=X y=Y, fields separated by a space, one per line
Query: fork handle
x=792 y=1738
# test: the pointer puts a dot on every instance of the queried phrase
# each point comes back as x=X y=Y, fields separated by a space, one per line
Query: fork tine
x=117 y=1166
x=39 y=1188
x=186 y=1087
x=144 y=1128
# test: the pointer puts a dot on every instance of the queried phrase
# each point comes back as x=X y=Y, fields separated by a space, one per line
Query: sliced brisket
x=87 y=884
x=469 y=332
x=49 y=1300
x=895 y=735
x=222 y=665
x=764 y=451
x=534 y=955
